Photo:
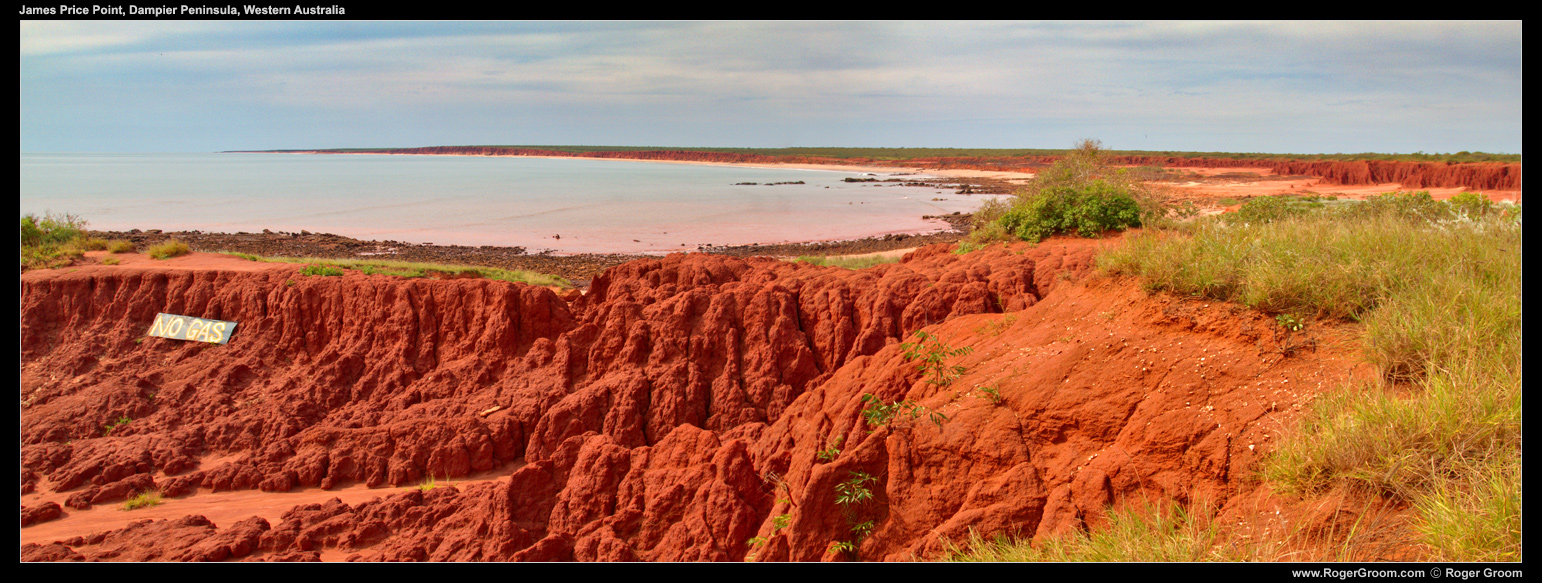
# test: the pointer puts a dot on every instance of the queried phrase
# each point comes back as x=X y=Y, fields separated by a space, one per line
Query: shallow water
x=565 y=205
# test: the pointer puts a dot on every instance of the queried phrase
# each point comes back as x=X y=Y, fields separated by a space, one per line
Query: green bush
x=1086 y=211
x=1472 y=204
x=51 y=241
x=1267 y=209
x=1406 y=205
x=1079 y=194
x=51 y=228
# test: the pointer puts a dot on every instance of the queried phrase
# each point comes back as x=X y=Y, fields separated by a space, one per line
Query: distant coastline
x=1413 y=171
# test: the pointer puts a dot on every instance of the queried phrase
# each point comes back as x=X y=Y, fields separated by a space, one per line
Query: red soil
x=674 y=413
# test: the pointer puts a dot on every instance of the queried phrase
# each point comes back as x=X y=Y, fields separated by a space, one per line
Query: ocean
x=565 y=205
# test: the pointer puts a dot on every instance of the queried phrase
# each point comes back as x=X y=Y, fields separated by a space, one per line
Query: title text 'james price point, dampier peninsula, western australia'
x=183 y=10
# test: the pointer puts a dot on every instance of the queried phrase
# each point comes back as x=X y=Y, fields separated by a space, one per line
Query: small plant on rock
x=933 y=354
x=843 y=547
x=880 y=414
x=754 y=544
x=831 y=450
x=853 y=496
x=992 y=394
x=144 y=499
x=1290 y=322
x=854 y=492
x=108 y=429
x=780 y=522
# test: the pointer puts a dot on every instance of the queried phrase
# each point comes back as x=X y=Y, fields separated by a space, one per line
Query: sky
x=1279 y=87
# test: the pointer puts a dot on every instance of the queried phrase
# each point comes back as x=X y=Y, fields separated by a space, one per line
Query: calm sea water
x=595 y=206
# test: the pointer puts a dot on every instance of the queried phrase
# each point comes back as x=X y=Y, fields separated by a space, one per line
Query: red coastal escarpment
x=692 y=407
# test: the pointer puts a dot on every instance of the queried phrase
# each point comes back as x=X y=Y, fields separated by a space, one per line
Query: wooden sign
x=190 y=328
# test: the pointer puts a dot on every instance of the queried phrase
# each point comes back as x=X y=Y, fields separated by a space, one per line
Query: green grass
x=849 y=262
x=321 y=270
x=144 y=499
x=1146 y=533
x=120 y=246
x=1171 y=532
x=1437 y=287
x=167 y=250
x=324 y=266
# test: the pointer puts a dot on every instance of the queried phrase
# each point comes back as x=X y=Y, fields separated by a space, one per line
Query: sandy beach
x=874 y=169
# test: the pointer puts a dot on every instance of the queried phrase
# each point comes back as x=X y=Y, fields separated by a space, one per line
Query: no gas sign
x=190 y=328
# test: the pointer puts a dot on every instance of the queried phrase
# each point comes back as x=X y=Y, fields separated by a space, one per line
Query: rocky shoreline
x=578 y=268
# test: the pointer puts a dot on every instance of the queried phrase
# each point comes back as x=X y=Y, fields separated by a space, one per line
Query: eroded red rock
x=685 y=409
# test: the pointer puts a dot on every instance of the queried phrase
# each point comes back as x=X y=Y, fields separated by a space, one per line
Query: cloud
x=769 y=74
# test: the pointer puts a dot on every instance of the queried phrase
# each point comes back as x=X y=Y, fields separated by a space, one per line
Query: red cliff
x=692 y=407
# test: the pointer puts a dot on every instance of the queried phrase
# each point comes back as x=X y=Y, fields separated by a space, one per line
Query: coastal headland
x=1406 y=174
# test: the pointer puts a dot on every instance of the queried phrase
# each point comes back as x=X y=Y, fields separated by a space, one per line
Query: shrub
x=1472 y=204
x=1086 y=211
x=1079 y=194
x=51 y=228
x=1406 y=205
x=1266 y=209
x=50 y=241
x=120 y=246
x=169 y=249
